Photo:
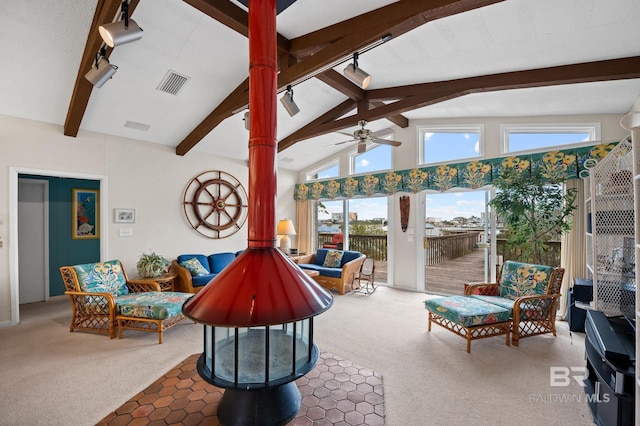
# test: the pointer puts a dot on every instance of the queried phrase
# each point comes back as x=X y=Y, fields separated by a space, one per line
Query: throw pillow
x=194 y=266
x=333 y=259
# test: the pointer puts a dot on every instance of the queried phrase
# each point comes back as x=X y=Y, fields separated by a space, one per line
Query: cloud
x=427 y=135
x=364 y=162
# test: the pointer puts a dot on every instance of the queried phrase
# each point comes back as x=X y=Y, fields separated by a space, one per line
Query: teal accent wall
x=63 y=249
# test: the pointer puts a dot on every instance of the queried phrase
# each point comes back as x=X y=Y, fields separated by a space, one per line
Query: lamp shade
x=357 y=75
x=99 y=76
x=285 y=227
x=115 y=33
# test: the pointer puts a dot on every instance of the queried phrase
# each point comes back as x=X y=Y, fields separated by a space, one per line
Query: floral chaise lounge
x=103 y=299
x=522 y=303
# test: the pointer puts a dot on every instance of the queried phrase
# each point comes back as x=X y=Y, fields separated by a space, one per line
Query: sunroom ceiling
x=45 y=41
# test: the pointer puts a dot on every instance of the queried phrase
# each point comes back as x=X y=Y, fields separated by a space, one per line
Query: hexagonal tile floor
x=335 y=392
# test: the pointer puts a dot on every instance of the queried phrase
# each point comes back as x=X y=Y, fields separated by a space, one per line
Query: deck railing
x=443 y=248
x=440 y=248
x=550 y=257
x=374 y=246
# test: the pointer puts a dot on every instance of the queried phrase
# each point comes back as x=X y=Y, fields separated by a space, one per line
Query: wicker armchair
x=333 y=278
x=530 y=291
x=102 y=297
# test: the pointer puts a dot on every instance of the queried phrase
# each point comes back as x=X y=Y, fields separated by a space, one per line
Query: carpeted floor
x=51 y=377
x=334 y=392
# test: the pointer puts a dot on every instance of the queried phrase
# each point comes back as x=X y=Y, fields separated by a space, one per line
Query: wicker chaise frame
x=97 y=311
x=349 y=270
x=472 y=333
x=532 y=315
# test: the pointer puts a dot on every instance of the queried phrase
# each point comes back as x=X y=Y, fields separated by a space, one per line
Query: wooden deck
x=449 y=277
x=446 y=278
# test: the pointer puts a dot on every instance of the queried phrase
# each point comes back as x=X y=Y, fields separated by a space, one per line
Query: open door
x=456 y=241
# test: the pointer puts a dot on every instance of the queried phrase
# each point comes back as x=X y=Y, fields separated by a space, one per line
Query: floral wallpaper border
x=556 y=165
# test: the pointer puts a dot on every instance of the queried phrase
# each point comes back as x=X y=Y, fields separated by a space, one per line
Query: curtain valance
x=556 y=165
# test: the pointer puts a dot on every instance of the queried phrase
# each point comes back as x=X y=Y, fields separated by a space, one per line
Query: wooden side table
x=165 y=281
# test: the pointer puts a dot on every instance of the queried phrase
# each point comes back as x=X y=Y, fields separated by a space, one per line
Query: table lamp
x=285 y=228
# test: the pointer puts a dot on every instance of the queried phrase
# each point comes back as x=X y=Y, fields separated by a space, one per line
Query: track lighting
x=246 y=120
x=356 y=74
x=102 y=71
x=120 y=32
x=289 y=104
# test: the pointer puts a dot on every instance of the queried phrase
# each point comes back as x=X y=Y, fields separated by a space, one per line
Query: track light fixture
x=289 y=104
x=246 y=120
x=120 y=32
x=102 y=71
x=356 y=74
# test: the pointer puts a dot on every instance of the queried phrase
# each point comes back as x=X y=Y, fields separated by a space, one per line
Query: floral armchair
x=530 y=291
x=104 y=299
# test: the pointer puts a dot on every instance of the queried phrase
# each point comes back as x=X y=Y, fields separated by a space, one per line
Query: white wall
x=149 y=178
x=406 y=250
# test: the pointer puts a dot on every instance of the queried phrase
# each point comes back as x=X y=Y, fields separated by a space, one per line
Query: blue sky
x=443 y=146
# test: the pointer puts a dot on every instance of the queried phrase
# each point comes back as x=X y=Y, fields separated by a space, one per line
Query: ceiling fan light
x=357 y=75
x=99 y=75
x=115 y=33
x=362 y=147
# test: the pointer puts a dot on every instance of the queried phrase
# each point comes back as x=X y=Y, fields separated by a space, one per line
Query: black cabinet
x=581 y=292
x=610 y=381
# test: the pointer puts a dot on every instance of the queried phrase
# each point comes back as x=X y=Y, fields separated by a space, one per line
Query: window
x=517 y=138
x=324 y=172
x=449 y=143
x=374 y=159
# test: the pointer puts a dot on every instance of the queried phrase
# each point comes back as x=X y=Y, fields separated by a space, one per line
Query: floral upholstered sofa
x=103 y=299
x=194 y=271
x=336 y=268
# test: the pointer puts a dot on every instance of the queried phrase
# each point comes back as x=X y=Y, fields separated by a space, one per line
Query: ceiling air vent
x=172 y=83
x=136 y=125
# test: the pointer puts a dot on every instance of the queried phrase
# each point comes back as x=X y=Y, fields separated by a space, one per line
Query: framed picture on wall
x=85 y=212
x=124 y=215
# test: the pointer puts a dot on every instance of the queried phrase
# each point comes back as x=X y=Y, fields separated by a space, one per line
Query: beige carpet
x=49 y=376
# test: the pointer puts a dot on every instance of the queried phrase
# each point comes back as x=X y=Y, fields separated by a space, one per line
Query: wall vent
x=172 y=82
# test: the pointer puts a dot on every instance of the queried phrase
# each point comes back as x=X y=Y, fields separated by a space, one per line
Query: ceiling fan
x=362 y=136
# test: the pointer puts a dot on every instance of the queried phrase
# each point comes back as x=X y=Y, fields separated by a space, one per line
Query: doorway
x=457 y=233
x=14 y=254
x=33 y=240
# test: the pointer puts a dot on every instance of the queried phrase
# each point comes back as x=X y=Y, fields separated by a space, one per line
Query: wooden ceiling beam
x=395 y=19
x=236 y=100
x=343 y=85
x=232 y=16
x=587 y=72
x=306 y=131
x=106 y=10
x=420 y=95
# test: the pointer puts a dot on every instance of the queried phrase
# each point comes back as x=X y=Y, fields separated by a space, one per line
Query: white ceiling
x=42 y=41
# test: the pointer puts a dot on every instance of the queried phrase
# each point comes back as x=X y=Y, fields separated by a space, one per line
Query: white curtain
x=573 y=255
x=303 y=222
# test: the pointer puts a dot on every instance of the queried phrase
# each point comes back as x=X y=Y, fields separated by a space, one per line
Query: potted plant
x=535 y=210
x=152 y=265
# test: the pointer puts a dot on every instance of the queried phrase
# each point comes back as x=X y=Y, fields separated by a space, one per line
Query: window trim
x=593 y=128
x=324 y=166
x=449 y=128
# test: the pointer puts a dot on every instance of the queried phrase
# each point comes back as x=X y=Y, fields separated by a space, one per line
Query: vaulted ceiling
x=428 y=59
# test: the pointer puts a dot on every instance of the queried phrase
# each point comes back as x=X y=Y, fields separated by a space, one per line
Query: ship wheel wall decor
x=215 y=204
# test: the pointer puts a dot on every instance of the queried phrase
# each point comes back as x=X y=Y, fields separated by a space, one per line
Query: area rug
x=337 y=391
